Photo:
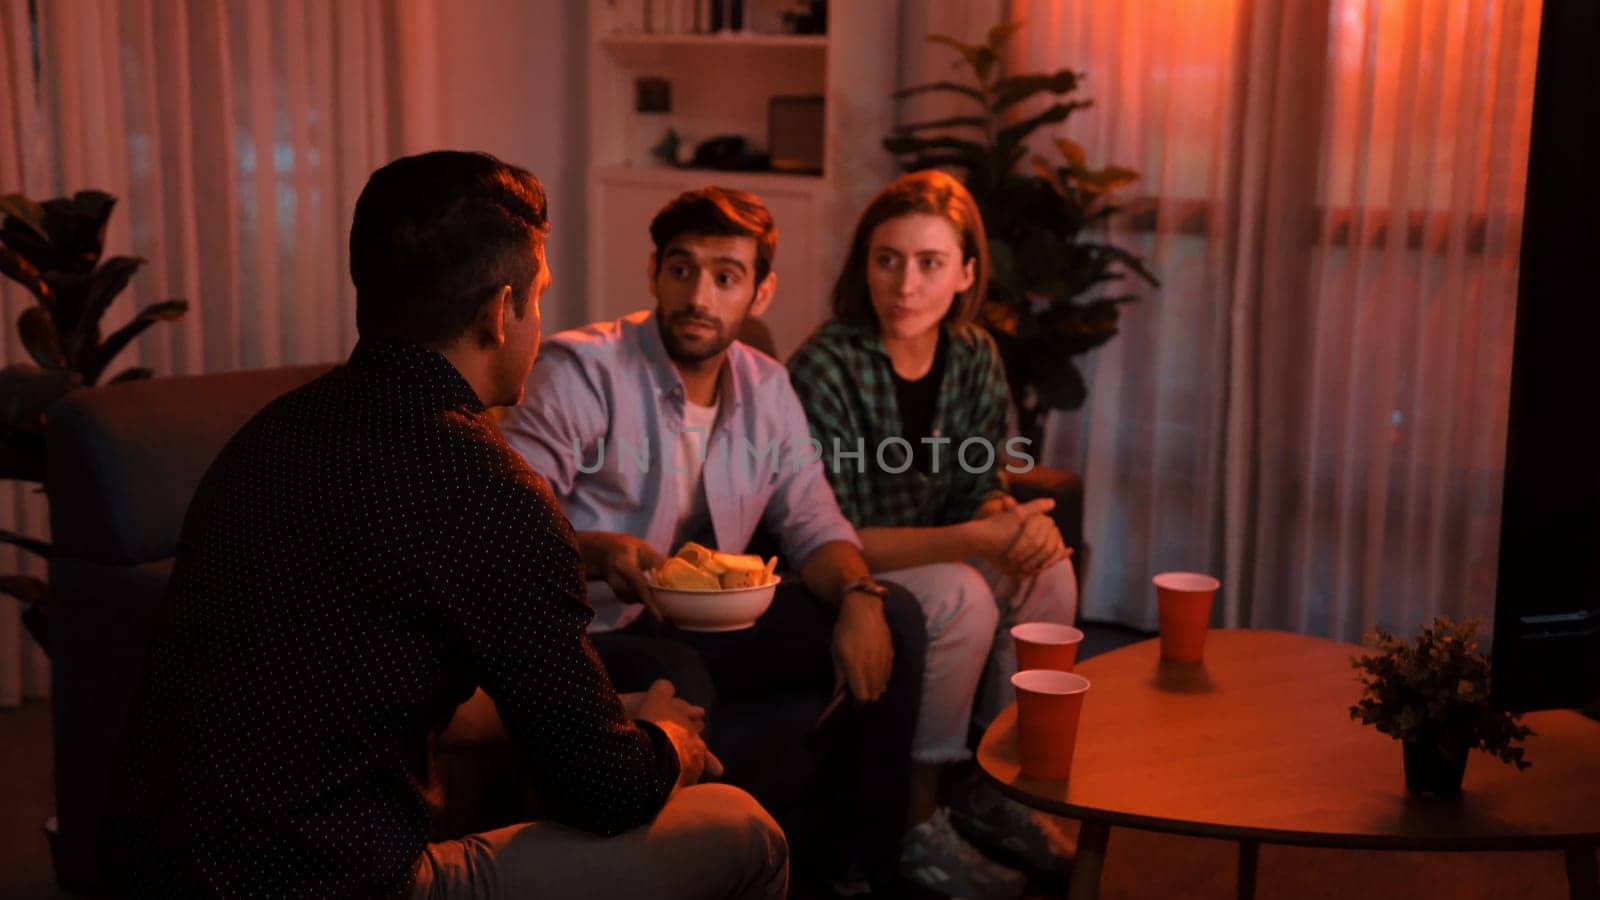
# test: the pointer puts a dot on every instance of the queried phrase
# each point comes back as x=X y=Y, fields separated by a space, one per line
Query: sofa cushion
x=124 y=459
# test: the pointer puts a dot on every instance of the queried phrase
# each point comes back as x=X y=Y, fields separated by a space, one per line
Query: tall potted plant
x=1048 y=298
x=1432 y=695
x=53 y=249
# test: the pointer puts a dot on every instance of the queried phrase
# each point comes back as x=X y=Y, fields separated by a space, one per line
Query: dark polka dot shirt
x=364 y=553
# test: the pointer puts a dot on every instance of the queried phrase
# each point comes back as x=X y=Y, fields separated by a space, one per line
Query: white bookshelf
x=721 y=85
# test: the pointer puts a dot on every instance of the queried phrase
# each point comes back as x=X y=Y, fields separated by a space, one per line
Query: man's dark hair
x=718 y=212
x=435 y=236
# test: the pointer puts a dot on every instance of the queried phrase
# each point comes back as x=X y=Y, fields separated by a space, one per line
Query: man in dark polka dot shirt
x=359 y=559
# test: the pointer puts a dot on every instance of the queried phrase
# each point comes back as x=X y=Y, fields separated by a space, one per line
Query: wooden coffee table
x=1257 y=745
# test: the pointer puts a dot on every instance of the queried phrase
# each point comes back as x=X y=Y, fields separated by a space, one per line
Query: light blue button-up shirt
x=601 y=419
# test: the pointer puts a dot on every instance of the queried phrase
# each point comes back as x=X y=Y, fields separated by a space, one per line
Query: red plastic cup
x=1046 y=645
x=1049 y=704
x=1185 y=600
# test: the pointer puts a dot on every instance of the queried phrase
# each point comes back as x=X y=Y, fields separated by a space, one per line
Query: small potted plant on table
x=1432 y=694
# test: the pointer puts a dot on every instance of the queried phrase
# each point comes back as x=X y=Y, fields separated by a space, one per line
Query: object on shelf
x=652 y=95
x=794 y=133
x=728 y=152
x=727 y=15
x=669 y=150
x=809 y=17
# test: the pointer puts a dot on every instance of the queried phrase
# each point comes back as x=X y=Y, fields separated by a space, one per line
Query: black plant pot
x=1430 y=770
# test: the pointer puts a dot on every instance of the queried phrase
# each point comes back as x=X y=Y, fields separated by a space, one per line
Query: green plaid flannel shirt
x=846 y=384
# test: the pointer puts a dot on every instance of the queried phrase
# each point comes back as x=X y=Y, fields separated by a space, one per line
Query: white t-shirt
x=687 y=466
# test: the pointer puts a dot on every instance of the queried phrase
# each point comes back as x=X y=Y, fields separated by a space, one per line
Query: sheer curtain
x=23 y=671
x=1313 y=406
x=237 y=136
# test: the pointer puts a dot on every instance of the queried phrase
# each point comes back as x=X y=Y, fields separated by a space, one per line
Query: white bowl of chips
x=700 y=589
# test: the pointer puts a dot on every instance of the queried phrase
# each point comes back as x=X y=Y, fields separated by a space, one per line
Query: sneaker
x=936 y=857
x=1029 y=837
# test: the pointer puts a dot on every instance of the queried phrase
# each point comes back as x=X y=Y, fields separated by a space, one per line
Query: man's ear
x=490 y=324
x=763 y=298
x=650 y=274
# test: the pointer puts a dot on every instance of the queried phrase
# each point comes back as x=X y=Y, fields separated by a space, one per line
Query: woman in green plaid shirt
x=907 y=398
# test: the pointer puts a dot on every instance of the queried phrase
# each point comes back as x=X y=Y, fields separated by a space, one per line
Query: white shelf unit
x=721 y=85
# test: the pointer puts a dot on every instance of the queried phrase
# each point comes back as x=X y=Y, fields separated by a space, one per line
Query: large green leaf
x=1105 y=180
x=1132 y=261
x=1008 y=92
x=950 y=122
x=947 y=87
x=38 y=332
x=31 y=244
x=104 y=285
x=936 y=161
x=1056 y=381
x=25 y=211
x=23 y=542
x=1073 y=153
x=971 y=53
x=905 y=144
x=1000 y=34
x=95 y=207
x=27 y=391
x=1013 y=135
x=18 y=269
x=30 y=590
x=75 y=235
x=166 y=311
x=1003 y=265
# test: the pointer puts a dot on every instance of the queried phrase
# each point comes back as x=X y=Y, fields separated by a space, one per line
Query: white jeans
x=970 y=607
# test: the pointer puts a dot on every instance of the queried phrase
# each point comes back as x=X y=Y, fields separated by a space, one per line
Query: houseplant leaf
x=1008 y=92
x=1073 y=153
x=1057 y=382
x=30 y=590
x=23 y=542
x=27 y=242
x=15 y=267
x=94 y=208
x=137 y=373
x=972 y=53
x=104 y=285
x=1012 y=135
x=962 y=147
x=950 y=87
x=26 y=212
x=74 y=235
x=951 y=122
x=166 y=311
x=38 y=332
x=1000 y=33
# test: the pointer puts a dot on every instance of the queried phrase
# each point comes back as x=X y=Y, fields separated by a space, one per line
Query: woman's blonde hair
x=930 y=192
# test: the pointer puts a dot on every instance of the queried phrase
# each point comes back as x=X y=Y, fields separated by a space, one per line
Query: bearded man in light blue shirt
x=660 y=428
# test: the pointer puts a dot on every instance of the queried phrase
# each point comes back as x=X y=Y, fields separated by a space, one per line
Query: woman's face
x=914 y=272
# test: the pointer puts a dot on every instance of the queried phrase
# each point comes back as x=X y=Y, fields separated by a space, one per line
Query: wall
x=511 y=78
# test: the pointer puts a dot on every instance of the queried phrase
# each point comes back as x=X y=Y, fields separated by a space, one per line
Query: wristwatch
x=866 y=586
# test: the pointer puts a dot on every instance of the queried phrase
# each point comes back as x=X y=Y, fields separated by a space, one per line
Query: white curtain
x=1313 y=405
x=23 y=671
x=237 y=136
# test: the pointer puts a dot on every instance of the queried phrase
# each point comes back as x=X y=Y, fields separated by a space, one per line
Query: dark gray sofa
x=123 y=462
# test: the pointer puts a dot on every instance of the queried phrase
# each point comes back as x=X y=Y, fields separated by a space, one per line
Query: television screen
x=1546 y=643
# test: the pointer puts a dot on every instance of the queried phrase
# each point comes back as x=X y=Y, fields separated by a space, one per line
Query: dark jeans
x=859 y=778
